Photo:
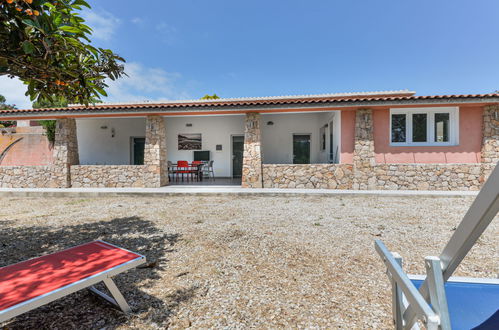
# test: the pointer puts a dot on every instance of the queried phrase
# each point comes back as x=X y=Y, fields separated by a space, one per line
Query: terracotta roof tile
x=288 y=100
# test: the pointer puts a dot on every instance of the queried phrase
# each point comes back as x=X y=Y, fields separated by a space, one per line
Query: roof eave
x=325 y=106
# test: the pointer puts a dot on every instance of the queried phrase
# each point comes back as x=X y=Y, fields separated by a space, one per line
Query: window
x=323 y=138
x=424 y=126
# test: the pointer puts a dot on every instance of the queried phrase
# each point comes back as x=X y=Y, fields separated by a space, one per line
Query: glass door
x=237 y=155
x=301 y=148
x=138 y=144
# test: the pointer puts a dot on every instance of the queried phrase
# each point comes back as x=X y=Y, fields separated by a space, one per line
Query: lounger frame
x=410 y=304
x=117 y=298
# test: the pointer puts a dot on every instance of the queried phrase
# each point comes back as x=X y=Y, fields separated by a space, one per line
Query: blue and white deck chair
x=438 y=300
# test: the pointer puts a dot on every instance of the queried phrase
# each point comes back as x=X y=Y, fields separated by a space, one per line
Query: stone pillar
x=363 y=156
x=155 y=153
x=490 y=143
x=252 y=156
x=65 y=150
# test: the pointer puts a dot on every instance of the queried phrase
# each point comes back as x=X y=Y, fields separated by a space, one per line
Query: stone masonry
x=65 y=148
x=321 y=176
x=155 y=153
x=490 y=144
x=112 y=176
x=252 y=157
x=45 y=176
x=363 y=157
x=66 y=143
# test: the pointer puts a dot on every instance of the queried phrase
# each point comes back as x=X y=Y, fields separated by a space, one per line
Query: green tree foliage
x=210 y=97
x=49 y=125
x=5 y=106
x=46 y=45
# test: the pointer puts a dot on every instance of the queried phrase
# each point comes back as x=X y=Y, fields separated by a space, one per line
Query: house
x=371 y=140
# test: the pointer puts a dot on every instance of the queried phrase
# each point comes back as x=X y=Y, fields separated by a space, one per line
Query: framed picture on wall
x=190 y=141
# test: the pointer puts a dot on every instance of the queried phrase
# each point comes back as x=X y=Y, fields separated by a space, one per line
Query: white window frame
x=430 y=126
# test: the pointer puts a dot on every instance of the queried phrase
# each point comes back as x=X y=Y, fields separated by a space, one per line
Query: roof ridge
x=405 y=92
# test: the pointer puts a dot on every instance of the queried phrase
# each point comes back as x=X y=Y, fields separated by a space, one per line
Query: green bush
x=49 y=126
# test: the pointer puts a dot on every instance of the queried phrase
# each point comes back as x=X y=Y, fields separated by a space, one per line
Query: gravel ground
x=234 y=262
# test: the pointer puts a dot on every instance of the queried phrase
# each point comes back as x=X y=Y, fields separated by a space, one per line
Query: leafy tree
x=46 y=45
x=5 y=106
x=210 y=97
x=54 y=102
x=49 y=125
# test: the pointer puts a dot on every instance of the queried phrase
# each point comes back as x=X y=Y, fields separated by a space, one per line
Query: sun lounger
x=33 y=283
x=438 y=300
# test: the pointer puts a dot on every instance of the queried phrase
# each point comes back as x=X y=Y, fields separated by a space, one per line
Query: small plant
x=317 y=224
x=49 y=126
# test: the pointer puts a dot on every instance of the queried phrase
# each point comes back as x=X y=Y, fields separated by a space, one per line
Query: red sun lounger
x=33 y=283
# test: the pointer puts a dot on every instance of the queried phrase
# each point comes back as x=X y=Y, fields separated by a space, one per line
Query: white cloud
x=144 y=84
x=13 y=90
x=137 y=20
x=166 y=32
x=103 y=24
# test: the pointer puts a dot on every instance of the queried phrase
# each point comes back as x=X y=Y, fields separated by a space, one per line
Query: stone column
x=252 y=156
x=490 y=143
x=363 y=156
x=65 y=150
x=155 y=153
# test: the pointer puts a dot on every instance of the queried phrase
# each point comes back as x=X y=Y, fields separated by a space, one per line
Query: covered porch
x=115 y=151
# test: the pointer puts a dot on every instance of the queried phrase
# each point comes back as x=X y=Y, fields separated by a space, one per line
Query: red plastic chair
x=183 y=168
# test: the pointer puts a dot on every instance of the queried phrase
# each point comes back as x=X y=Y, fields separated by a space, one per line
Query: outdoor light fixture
x=270 y=123
x=188 y=125
x=103 y=127
x=113 y=132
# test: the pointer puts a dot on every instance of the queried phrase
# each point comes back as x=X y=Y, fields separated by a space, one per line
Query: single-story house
x=371 y=140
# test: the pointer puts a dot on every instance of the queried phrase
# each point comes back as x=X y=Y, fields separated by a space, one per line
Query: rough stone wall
x=66 y=143
x=48 y=176
x=490 y=144
x=252 y=157
x=322 y=176
x=363 y=156
x=66 y=147
x=156 y=174
x=428 y=176
x=113 y=176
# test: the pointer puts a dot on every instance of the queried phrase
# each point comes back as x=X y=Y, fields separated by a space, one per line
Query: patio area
x=240 y=261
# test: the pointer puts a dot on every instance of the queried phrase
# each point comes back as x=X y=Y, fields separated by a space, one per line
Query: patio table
x=192 y=167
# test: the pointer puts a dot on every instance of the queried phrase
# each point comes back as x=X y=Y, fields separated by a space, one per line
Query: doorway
x=137 y=156
x=301 y=148
x=237 y=155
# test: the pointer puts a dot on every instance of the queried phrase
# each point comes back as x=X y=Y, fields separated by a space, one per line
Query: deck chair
x=438 y=300
x=33 y=283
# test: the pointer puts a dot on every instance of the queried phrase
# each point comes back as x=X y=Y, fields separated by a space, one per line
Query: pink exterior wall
x=347 y=136
x=33 y=149
x=468 y=150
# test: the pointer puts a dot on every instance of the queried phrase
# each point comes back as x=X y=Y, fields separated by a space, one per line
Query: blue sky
x=185 y=49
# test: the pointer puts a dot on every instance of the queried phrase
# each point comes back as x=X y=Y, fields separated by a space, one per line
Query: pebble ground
x=240 y=262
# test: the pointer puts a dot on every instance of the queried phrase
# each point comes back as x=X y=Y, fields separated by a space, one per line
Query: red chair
x=184 y=168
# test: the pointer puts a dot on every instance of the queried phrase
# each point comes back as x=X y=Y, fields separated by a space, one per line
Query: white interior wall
x=96 y=145
x=277 y=139
x=326 y=118
x=214 y=130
